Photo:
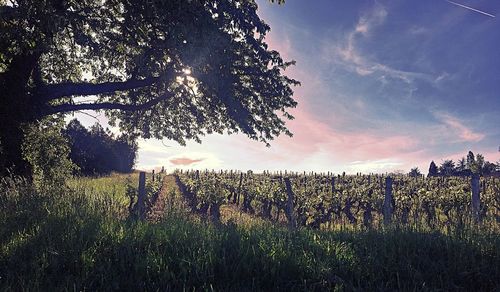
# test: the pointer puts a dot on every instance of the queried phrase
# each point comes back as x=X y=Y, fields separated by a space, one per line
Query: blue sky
x=386 y=85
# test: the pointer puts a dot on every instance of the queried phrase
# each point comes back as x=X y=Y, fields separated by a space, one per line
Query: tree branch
x=55 y=91
x=64 y=108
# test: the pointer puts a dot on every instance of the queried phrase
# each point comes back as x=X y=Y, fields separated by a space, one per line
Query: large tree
x=178 y=69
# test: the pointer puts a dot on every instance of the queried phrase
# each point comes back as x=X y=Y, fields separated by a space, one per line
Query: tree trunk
x=11 y=138
x=18 y=106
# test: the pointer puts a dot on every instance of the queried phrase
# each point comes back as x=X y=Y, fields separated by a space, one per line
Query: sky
x=386 y=86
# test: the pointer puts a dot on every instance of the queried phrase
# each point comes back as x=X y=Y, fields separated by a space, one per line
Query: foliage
x=415 y=172
x=447 y=168
x=47 y=151
x=152 y=190
x=98 y=151
x=470 y=160
x=174 y=69
x=433 y=170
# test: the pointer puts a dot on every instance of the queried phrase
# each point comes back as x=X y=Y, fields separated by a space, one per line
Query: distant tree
x=478 y=164
x=97 y=151
x=447 y=168
x=415 y=172
x=489 y=168
x=125 y=150
x=433 y=170
x=461 y=167
x=80 y=143
x=470 y=160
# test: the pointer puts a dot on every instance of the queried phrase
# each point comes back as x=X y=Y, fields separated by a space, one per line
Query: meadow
x=83 y=237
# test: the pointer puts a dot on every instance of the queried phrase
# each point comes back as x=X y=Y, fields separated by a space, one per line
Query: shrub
x=47 y=152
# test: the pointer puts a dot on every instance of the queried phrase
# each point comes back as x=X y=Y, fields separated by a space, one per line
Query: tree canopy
x=174 y=69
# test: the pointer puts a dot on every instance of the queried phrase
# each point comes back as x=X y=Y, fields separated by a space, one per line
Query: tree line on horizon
x=465 y=166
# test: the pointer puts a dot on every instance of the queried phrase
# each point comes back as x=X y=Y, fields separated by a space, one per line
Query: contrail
x=470 y=8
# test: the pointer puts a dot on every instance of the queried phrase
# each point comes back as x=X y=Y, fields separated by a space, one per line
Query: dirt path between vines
x=171 y=198
x=165 y=199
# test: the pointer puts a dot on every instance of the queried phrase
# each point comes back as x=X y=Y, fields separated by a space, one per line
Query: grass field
x=80 y=238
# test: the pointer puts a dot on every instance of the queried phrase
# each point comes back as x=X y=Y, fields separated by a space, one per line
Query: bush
x=47 y=152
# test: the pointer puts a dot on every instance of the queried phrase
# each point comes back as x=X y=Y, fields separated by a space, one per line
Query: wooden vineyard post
x=476 y=201
x=237 y=199
x=142 y=194
x=388 y=201
x=289 y=204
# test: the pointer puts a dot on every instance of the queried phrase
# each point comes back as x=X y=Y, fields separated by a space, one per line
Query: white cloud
x=418 y=30
x=368 y=21
x=374 y=166
x=441 y=77
x=154 y=146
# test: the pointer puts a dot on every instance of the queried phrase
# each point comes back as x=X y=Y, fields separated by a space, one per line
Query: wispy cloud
x=375 y=17
x=464 y=133
x=348 y=55
x=418 y=30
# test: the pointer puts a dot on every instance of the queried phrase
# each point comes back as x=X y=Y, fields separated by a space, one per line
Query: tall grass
x=79 y=237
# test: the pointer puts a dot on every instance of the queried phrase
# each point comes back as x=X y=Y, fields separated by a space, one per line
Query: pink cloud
x=312 y=135
x=464 y=133
x=184 y=161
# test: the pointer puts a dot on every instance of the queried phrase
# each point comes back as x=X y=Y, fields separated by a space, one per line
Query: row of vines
x=358 y=200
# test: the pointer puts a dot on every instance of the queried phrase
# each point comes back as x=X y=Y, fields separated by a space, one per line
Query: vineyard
x=94 y=235
x=325 y=200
